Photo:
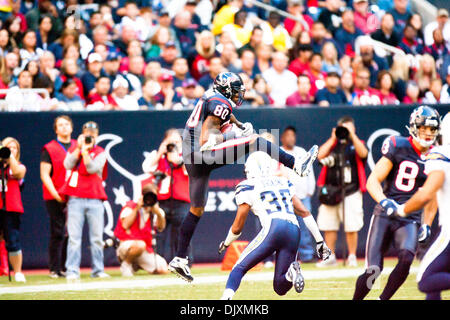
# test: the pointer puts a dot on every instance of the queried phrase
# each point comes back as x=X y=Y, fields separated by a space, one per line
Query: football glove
x=247 y=129
x=424 y=233
x=323 y=252
x=208 y=145
x=222 y=247
x=390 y=206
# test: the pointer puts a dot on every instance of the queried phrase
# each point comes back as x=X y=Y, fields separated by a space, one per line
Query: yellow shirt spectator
x=223 y=17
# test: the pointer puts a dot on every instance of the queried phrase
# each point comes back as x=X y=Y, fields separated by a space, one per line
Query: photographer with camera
x=84 y=189
x=134 y=234
x=341 y=183
x=53 y=176
x=173 y=195
x=12 y=174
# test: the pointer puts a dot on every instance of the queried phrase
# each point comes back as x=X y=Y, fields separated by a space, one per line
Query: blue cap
x=189 y=83
x=112 y=55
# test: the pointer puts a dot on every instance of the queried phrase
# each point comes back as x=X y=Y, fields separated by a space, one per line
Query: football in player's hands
x=222 y=247
x=389 y=205
x=424 y=233
x=227 y=127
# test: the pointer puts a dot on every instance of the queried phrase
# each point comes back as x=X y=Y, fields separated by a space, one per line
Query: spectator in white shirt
x=442 y=22
x=436 y=94
x=18 y=99
x=282 y=82
x=120 y=94
x=133 y=19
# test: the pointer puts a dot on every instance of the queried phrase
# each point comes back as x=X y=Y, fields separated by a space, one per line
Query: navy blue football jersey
x=407 y=174
x=210 y=104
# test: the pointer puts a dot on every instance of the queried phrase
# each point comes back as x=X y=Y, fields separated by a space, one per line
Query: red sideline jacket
x=57 y=154
x=135 y=232
x=89 y=186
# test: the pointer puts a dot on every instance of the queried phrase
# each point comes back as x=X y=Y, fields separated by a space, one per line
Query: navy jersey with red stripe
x=210 y=104
x=407 y=174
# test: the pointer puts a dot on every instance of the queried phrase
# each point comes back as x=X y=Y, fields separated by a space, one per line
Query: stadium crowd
x=163 y=54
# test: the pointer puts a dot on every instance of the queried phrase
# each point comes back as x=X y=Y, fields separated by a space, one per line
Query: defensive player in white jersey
x=272 y=199
x=434 y=272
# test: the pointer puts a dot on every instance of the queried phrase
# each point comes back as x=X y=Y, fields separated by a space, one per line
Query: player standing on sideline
x=434 y=272
x=402 y=169
x=272 y=199
x=208 y=146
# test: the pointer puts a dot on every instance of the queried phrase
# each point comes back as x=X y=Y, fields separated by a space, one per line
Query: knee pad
x=405 y=257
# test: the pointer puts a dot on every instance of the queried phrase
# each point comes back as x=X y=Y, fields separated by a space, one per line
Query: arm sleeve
x=70 y=161
x=97 y=164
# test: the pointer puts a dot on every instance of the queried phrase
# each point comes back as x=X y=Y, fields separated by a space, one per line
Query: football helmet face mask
x=445 y=129
x=424 y=116
x=231 y=86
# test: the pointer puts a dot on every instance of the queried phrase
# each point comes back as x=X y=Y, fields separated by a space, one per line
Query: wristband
x=231 y=237
x=401 y=210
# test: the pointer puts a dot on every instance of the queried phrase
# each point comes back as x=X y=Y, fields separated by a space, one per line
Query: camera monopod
x=341 y=165
x=3 y=181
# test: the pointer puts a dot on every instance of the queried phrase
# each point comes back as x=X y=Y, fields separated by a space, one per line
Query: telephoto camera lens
x=5 y=153
x=111 y=242
x=88 y=140
x=342 y=133
x=170 y=147
x=150 y=199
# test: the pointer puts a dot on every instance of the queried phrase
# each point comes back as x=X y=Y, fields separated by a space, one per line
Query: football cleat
x=295 y=273
x=304 y=164
x=180 y=267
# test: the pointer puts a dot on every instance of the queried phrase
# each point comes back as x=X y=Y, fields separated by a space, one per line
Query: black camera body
x=5 y=153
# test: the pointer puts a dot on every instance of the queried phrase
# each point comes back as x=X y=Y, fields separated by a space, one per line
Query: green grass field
x=211 y=282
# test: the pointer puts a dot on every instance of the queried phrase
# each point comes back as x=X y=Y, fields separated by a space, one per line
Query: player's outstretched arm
x=299 y=209
x=237 y=226
x=378 y=175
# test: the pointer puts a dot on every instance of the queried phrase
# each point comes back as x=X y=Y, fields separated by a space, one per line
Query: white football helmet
x=445 y=129
x=259 y=164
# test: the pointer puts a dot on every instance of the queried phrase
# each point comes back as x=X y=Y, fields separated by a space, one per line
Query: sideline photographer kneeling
x=341 y=184
x=134 y=231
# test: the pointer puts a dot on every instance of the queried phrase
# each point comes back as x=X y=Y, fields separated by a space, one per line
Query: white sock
x=227 y=294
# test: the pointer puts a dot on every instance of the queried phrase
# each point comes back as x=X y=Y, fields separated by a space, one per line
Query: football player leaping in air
x=402 y=169
x=434 y=271
x=272 y=199
x=206 y=148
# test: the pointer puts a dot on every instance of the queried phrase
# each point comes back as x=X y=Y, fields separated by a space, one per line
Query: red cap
x=165 y=77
